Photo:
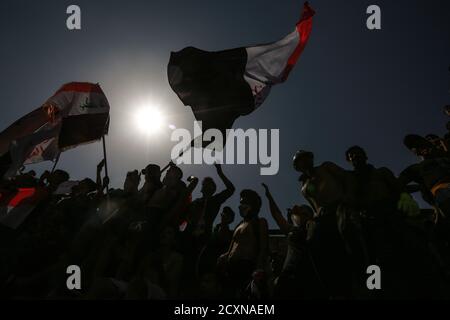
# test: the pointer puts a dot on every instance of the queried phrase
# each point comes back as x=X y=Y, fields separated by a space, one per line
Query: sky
x=350 y=86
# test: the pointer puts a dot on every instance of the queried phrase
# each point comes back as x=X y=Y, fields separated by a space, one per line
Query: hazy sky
x=350 y=86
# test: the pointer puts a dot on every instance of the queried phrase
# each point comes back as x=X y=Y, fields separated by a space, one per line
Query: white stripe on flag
x=266 y=64
x=71 y=103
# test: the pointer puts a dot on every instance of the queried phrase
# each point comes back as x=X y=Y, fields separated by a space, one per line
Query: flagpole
x=56 y=162
x=179 y=156
x=106 y=163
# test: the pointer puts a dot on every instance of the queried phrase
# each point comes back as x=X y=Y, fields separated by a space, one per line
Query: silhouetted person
x=298 y=278
x=203 y=211
x=218 y=243
x=381 y=201
x=249 y=247
x=152 y=175
x=167 y=196
x=431 y=174
x=331 y=192
x=432 y=177
x=440 y=147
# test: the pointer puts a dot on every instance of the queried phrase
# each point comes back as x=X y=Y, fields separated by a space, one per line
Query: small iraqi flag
x=221 y=86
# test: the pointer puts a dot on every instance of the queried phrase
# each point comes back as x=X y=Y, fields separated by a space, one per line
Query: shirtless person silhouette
x=331 y=191
x=249 y=246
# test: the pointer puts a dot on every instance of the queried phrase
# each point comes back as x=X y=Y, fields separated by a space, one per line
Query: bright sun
x=149 y=120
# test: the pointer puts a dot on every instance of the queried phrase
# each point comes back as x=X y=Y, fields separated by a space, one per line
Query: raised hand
x=100 y=165
x=105 y=182
x=218 y=167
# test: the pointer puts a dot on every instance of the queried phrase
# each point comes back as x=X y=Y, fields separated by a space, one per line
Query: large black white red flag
x=77 y=113
x=221 y=86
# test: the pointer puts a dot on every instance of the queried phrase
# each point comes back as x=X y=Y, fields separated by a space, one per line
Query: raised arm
x=100 y=185
x=275 y=212
x=228 y=192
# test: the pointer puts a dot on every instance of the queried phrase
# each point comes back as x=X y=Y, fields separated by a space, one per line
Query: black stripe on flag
x=212 y=84
x=84 y=128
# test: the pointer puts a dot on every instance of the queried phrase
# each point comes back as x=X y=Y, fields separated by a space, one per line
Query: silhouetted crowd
x=156 y=242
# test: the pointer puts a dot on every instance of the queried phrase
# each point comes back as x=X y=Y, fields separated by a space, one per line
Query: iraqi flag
x=221 y=86
x=42 y=145
x=31 y=139
x=26 y=125
x=25 y=141
x=77 y=113
x=83 y=110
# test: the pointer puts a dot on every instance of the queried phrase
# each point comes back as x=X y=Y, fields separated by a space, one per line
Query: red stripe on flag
x=304 y=27
x=80 y=87
x=21 y=195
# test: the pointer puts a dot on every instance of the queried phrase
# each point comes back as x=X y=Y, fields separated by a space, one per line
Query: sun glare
x=149 y=120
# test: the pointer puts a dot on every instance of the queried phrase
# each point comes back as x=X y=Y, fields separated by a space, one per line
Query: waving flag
x=84 y=112
x=22 y=127
x=77 y=113
x=31 y=139
x=221 y=86
x=36 y=147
